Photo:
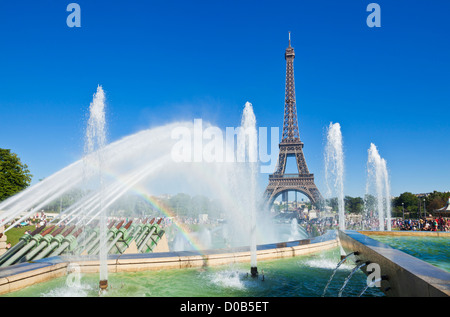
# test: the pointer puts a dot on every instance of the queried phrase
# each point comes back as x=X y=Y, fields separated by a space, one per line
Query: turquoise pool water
x=434 y=250
x=303 y=276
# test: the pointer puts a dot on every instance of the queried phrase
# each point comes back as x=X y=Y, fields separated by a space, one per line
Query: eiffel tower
x=291 y=146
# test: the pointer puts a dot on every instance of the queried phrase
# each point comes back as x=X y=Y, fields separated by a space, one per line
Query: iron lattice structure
x=291 y=146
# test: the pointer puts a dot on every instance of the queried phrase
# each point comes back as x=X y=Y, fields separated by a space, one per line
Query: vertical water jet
x=94 y=145
x=247 y=148
x=334 y=168
x=377 y=176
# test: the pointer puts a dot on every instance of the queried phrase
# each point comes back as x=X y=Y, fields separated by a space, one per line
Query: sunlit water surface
x=303 y=276
x=434 y=250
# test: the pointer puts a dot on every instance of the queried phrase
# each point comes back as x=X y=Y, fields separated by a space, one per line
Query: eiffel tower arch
x=281 y=183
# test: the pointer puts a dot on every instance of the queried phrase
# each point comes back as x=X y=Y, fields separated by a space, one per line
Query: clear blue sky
x=160 y=61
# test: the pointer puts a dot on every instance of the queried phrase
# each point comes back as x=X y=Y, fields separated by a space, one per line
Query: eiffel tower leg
x=285 y=200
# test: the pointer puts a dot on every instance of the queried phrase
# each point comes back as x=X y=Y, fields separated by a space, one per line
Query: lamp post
x=403 y=208
x=420 y=207
x=424 y=209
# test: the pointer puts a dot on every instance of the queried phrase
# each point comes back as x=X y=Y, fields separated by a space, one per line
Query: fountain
x=247 y=150
x=302 y=276
x=295 y=233
x=334 y=168
x=142 y=163
x=95 y=157
x=138 y=163
x=377 y=176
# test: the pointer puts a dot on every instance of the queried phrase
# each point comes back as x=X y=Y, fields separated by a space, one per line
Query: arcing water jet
x=44 y=242
x=149 y=235
x=121 y=234
x=69 y=241
x=54 y=243
x=35 y=238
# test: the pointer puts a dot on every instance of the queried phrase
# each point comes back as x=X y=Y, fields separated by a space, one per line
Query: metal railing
x=291 y=175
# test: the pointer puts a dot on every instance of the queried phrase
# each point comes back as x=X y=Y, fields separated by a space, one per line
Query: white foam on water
x=79 y=290
x=229 y=278
x=329 y=264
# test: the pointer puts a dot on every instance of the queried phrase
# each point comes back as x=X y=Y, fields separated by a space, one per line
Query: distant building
x=427 y=194
x=422 y=195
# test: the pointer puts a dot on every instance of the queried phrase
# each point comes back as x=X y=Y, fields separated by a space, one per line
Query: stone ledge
x=440 y=234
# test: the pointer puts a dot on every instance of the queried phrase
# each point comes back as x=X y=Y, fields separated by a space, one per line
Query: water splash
x=295 y=233
x=96 y=127
x=377 y=176
x=81 y=290
x=229 y=278
x=334 y=168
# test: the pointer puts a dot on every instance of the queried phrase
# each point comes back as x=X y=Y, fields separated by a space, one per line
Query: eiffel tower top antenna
x=290 y=125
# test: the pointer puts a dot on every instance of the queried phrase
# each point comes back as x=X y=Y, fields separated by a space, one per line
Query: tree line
x=412 y=204
x=15 y=177
x=416 y=205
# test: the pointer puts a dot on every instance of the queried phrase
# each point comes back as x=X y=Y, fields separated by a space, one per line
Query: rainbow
x=168 y=212
x=157 y=204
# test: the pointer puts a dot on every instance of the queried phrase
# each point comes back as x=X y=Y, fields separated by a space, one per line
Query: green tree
x=200 y=205
x=64 y=201
x=435 y=203
x=354 y=205
x=333 y=203
x=409 y=202
x=436 y=200
x=370 y=203
x=14 y=175
x=181 y=203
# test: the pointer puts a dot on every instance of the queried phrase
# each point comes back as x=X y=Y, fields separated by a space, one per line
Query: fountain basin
x=288 y=279
x=432 y=247
x=21 y=275
x=407 y=276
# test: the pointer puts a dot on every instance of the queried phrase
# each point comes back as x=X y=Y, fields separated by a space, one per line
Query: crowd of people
x=39 y=219
x=319 y=226
x=422 y=224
